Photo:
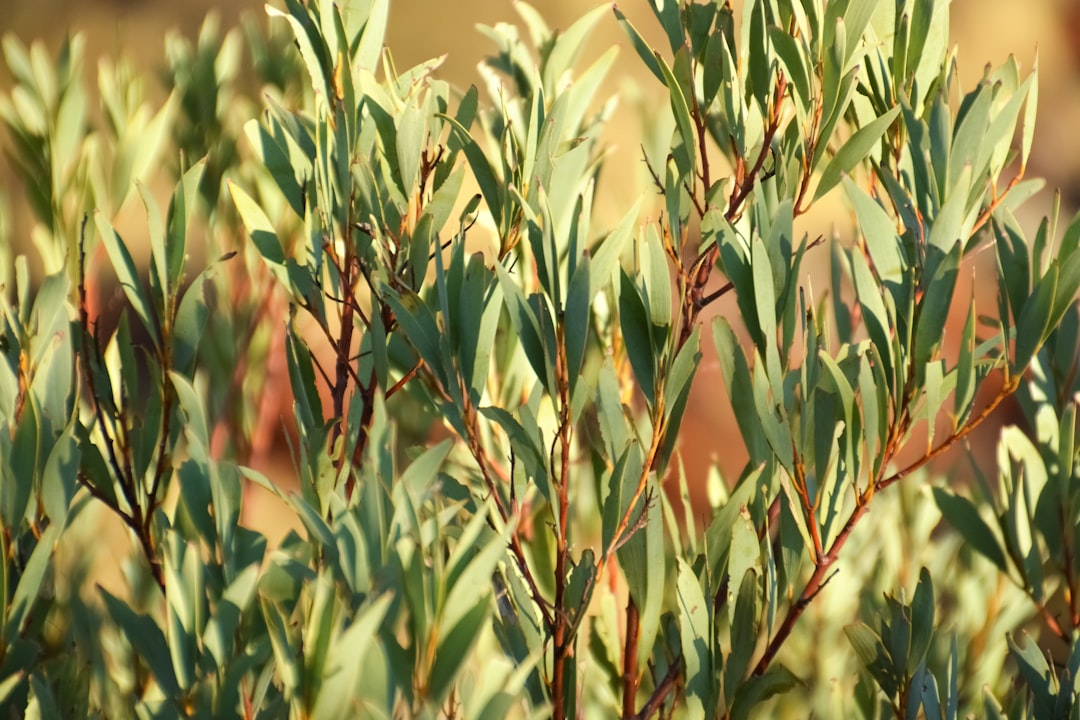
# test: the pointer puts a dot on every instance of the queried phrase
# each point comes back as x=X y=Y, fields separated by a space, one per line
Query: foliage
x=409 y=249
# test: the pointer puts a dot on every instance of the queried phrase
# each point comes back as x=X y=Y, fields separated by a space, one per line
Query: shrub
x=395 y=248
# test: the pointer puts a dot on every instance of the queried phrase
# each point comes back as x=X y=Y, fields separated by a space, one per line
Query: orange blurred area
x=985 y=30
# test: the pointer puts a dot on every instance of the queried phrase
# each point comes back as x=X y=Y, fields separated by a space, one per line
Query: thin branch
x=717 y=294
x=666 y=685
x=630 y=678
x=404 y=379
x=1008 y=389
x=655 y=177
x=819 y=578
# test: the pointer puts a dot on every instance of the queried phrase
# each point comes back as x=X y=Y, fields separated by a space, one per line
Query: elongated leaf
x=854 y=151
x=261 y=231
x=681 y=110
x=1031 y=326
x=638 y=337
x=695 y=632
x=934 y=310
x=147 y=639
x=482 y=170
x=644 y=51
x=963 y=515
x=126 y=272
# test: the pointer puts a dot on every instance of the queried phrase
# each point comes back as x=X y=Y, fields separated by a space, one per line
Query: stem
x=820 y=577
x=562 y=637
x=343 y=346
x=138 y=519
x=483 y=461
x=667 y=684
x=630 y=678
x=814 y=586
x=649 y=467
x=1008 y=389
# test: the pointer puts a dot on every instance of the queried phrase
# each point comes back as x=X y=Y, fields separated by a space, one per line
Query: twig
x=819 y=578
x=666 y=685
x=630 y=678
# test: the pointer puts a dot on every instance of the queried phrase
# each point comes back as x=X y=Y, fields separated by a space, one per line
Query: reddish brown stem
x=666 y=685
x=562 y=637
x=821 y=575
x=630 y=678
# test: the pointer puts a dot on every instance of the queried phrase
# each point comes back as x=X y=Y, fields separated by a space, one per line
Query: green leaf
x=411 y=126
x=348 y=659
x=525 y=323
x=876 y=318
x=879 y=232
x=745 y=626
x=312 y=47
x=621 y=485
x=744 y=557
x=275 y=156
x=765 y=308
x=373 y=36
x=1031 y=326
x=922 y=619
x=873 y=654
x=644 y=51
x=791 y=56
x=644 y=563
x=567 y=46
x=184 y=200
x=967 y=143
x=934 y=310
x=1036 y=674
x=1030 y=108
x=695 y=632
x=490 y=186
x=964 y=394
x=24 y=458
x=58 y=477
x=261 y=231
x=28 y=587
x=455 y=646
x=195 y=426
x=854 y=151
x=681 y=376
x=421 y=475
x=576 y=317
x=147 y=640
x=681 y=110
x=127 y=274
x=948 y=227
x=605 y=258
x=740 y=389
x=964 y=517
x=579 y=589
x=759 y=688
x=657 y=280
x=637 y=334
x=287 y=667
x=190 y=322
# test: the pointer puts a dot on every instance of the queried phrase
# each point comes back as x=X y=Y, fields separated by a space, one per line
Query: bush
x=398 y=249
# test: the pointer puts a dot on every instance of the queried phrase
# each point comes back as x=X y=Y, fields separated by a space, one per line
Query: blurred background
x=986 y=31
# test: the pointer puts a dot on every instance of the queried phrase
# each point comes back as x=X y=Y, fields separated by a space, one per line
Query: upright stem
x=562 y=638
x=630 y=678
